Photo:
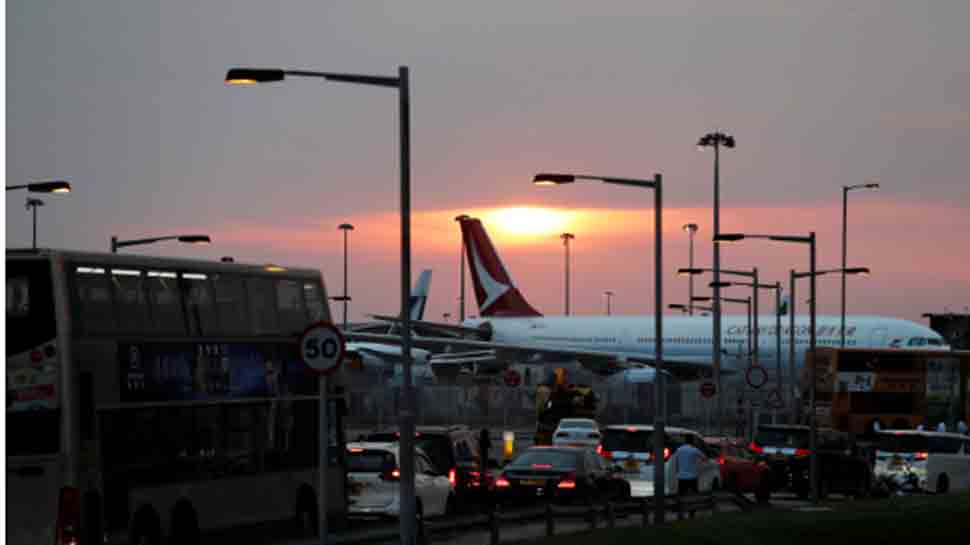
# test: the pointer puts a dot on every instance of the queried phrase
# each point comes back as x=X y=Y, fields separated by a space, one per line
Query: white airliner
x=510 y=325
x=385 y=359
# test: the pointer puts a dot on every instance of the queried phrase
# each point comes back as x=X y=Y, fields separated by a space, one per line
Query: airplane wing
x=603 y=362
x=437 y=328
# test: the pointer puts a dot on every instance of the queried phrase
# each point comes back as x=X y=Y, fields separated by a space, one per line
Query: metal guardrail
x=495 y=520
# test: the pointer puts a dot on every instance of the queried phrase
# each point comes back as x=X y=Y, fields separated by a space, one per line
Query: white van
x=924 y=460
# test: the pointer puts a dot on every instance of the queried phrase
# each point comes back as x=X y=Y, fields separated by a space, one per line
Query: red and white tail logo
x=493 y=287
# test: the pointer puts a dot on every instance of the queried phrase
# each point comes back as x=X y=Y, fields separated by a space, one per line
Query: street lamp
x=461 y=270
x=777 y=287
x=566 y=237
x=717 y=285
x=716 y=140
x=741 y=301
x=251 y=76
x=187 y=239
x=685 y=308
x=346 y=228
x=791 y=319
x=659 y=490
x=813 y=424
x=33 y=204
x=691 y=228
x=845 y=215
x=609 y=302
x=53 y=186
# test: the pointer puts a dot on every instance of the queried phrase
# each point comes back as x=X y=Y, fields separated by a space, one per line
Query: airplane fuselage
x=690 y=337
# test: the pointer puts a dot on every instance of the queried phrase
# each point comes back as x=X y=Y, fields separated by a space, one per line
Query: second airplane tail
x=494 y=291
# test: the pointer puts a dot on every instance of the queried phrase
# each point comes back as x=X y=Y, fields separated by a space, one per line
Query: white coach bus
x=153 y=399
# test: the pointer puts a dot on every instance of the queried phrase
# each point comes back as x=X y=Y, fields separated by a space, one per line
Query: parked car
x=560 y=474
x=629 y=449
x=741 y=469
x=842 y=467
x=578 y=432
x=929 y=461
x=373 y=482
x=455 y=452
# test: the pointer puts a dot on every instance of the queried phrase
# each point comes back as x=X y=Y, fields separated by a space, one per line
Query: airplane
x=509 y=325
x=385 y=359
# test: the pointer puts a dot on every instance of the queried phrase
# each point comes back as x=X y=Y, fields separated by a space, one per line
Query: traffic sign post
x=322 y=349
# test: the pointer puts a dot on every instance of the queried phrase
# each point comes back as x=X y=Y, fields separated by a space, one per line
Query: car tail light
x=756 y=448
x=721 y=460
x=603 y=452
x=667 y=454
x=452 y=477
x=36 y=356
x=922 y=455
x=391 y=474
x=802 y=452
x=568 y=481
x=502 y=481
x=69 y=516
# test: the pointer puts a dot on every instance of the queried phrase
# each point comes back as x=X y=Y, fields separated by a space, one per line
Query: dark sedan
x=560 y=474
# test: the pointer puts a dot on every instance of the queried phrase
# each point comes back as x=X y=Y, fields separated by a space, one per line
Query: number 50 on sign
x=322 y=347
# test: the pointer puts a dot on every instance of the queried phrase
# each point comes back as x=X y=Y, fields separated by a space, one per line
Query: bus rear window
x=31 y=433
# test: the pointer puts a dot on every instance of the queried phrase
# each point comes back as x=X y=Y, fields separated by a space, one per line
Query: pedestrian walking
x=687 y=460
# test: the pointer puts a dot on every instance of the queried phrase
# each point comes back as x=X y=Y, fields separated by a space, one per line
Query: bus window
x=262 y=306
x=200 y=311
x=292 y=312
x=130 y=299
x=314 y=302
x=94 y=300
x=166 y=305
x=18 y=297
x=231 y=304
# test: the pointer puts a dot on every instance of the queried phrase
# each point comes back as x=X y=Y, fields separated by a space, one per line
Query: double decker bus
x=860 y=390
x=153 y=399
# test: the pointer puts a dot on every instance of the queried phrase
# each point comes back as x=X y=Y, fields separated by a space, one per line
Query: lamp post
x=346 y=228
x=716 y=140
x=566 y=237
x=33 y=204
x=249 y=76
x=461 y=271
x=791 y=323
x=659 y=489
x=609 y=302
x=52 y=186
x=691 y=228
x=187 y=239
x=813 y=425
x=845 y=217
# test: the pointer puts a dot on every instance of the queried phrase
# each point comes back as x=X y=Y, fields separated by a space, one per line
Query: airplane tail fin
x=496 y=294
x=419 y=295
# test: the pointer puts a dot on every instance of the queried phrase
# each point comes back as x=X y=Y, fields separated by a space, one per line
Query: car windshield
x=782 y=437
x=628 y=440
x=576 y=424
x=369 y=461
x=556 y=459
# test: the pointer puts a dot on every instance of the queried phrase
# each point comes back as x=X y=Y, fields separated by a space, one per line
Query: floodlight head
x=345 y=227
x=545 y=178
x=252 y=76
x=689 y=271
x=690 y=228
x=728 y=237
x=864 y=271
x=272 y=267
x=720 y=284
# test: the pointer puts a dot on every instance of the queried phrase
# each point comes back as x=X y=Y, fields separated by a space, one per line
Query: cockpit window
x=935 y=342
x=917 y=341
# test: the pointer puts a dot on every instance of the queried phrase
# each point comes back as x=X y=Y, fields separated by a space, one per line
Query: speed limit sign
x=322 y=347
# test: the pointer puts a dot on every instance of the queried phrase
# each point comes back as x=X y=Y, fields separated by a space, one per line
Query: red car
x=741 y=471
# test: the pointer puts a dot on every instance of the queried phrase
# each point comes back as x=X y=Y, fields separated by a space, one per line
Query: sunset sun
x=528 y=222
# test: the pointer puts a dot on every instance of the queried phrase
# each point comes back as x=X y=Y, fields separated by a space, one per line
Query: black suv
x=454 y=451
x=843 y=468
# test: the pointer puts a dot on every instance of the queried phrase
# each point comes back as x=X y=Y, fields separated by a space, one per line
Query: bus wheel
x=146 y=529
x=942 y=484
x=185 y=525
